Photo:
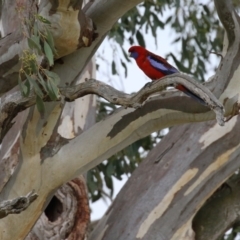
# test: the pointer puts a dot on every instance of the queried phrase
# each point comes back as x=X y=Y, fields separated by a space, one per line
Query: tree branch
x=15 y=103
x=17 y=205
x=226 y=13
x=135 y=100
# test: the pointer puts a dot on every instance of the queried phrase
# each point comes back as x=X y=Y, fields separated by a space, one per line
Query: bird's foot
x=147 y=85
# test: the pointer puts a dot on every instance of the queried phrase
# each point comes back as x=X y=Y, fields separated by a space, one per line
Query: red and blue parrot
x=156 y=67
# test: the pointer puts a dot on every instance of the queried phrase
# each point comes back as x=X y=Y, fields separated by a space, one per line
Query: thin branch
x=218 y=54
x=135 y=100
x=16 y=103
x=17 y=205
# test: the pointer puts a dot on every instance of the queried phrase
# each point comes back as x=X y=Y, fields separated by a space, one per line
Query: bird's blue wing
x=161 y=65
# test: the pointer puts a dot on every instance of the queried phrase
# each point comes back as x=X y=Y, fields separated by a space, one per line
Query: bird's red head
x=135 y=51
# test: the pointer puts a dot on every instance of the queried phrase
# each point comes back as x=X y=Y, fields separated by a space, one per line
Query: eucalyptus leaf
x=35 y=86
x=40 y=105
x=125 y=67
x=42 y=19
x=34 y=43
x=42 y=82
x=49 y=53
x=52 y=89
x=50 y=40
x=114 y=70
x=53 y=76
x=23 y=87
x=140 y=39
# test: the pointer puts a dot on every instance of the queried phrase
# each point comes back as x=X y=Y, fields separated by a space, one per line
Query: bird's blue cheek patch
x=134 y=55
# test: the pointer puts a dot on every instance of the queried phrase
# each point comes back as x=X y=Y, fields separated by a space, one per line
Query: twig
x=218 y=54
x=17 y=205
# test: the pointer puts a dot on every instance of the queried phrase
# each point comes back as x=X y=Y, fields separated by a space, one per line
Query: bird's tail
x=191 y=94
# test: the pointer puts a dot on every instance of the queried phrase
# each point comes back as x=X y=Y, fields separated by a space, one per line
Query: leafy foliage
x=32 y=75
x=196 y=28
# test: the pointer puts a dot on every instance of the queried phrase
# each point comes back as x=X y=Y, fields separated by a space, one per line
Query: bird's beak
x=129 y=54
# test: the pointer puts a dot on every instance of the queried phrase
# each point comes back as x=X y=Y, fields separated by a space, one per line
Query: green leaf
x=125 y=67
x=114 y=70
x=168 y=20
x=42 y=82
x=140 y=39
x=205 y=7
x=53 y=76
x=92 y=186
x=24 y=89
x=52 y=89
x=35 y=29
x=34 y=43
x=49 y=53
x=28 y=87
x=50 y=40
x=109 y=183
x=236 y=229
x=42 y=19
x=40 y=105
x=157 y=21
x=110 y=169
x=36 y=88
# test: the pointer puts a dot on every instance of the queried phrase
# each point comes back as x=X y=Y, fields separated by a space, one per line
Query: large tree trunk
x=172 y=184
x=164 y=194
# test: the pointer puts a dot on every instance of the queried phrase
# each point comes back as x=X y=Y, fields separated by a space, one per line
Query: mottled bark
x=67 y=215
x=173 y=182
x=185 y=169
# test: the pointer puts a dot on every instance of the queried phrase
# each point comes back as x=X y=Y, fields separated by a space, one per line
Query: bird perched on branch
x=156 y=67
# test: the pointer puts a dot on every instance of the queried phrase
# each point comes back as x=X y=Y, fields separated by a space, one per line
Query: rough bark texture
x=222 y=209
x=184 y=170
x=67 y=215
x=172 y=183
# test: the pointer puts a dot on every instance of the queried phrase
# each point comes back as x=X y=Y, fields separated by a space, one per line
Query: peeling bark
x=172 y=189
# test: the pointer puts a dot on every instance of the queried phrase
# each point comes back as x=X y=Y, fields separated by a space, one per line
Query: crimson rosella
x=156 y=67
